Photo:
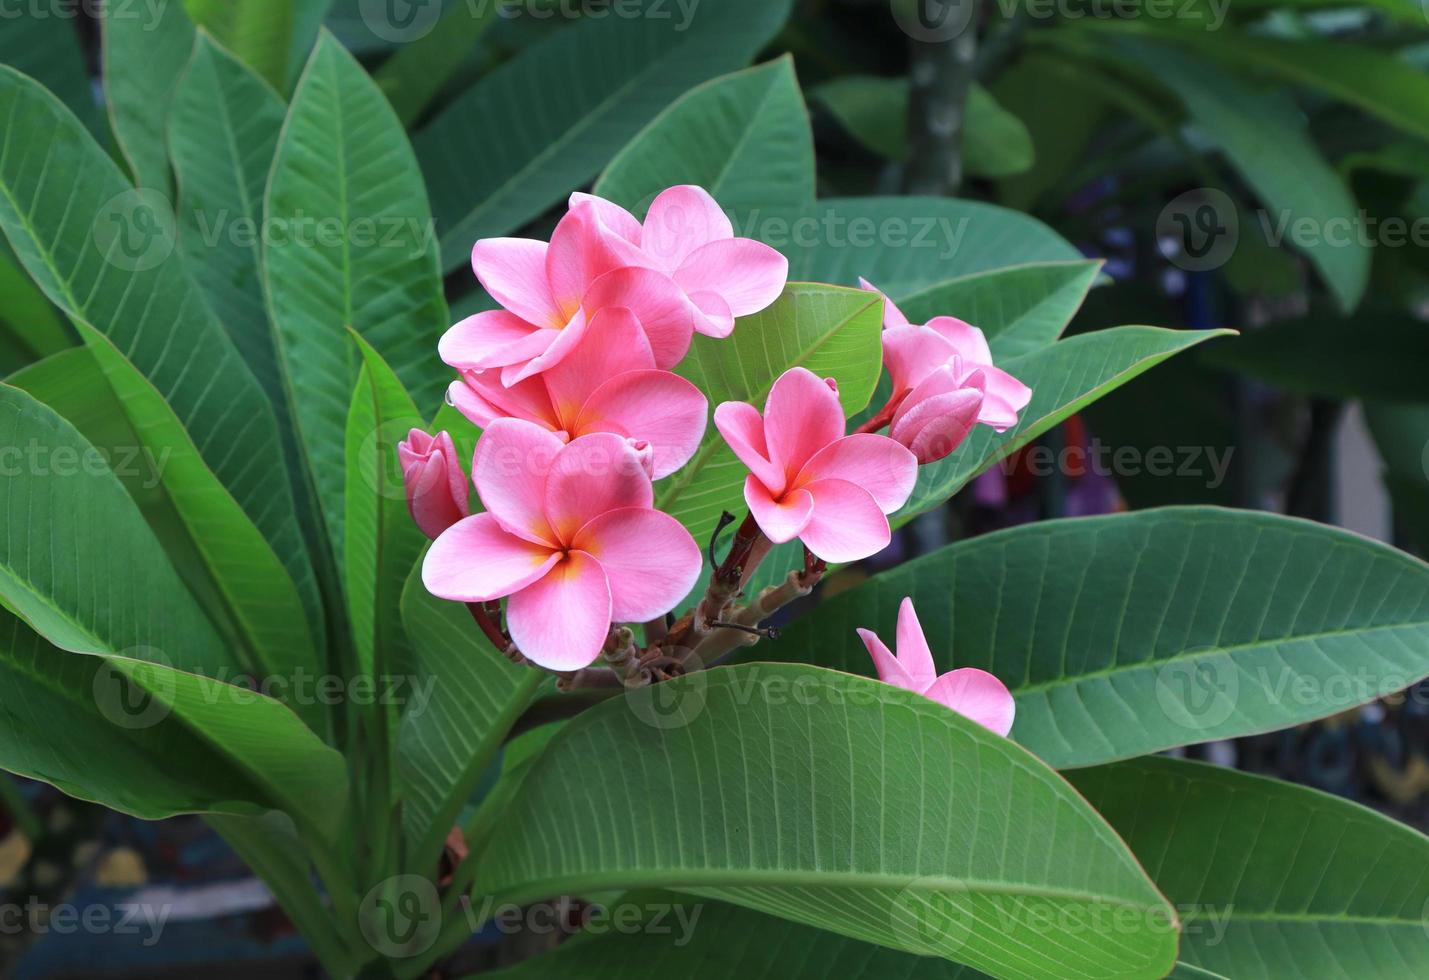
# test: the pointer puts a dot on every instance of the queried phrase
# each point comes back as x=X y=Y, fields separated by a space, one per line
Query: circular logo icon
x=1199 y=229
x=377 y=458
x=401 y=916
x=935 y=20
x=132 y=695
x=673 y=703
x=1198 y=693
x=932 y=917
x=401 y=21
x=134 y=231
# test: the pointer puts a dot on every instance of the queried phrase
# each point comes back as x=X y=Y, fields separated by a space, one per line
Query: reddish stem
x=884 y=416
x=482 y=614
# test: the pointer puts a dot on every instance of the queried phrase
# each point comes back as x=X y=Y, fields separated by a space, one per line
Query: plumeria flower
x=569 y=534
x=436 y=484
x=687 y=237
x=944 y=382
x=807 y=479
x=972 y=693
x=607 y=383
x=550 y=292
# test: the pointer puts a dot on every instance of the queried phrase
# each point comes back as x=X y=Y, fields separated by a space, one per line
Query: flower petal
x=563 y=342
x=481 y=397
x=561 y=621
x=890 y=671
x=933 y=427
x=436 y=485
x=650 y=560
x=976 y=695
x=665 y=314
x=476 y=560
x=742 y=427
x=612 y=215
x=780 y=520
x=846 y=525
x=913 y=653
x=492 y=338
x=892 y=315
x=680 y=220
x=1005 y=397
x=712 y=315
x=749 y=275
x=611 y=344
x=513 y=271
x=877 y=463
x=583 y=248
x=801 y=416
x=966 y=339
x=657 y=407
x=591 y=475
x=513 y=458
x=912 y=353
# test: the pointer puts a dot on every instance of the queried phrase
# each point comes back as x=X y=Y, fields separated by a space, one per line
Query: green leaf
x=1401 y=432
x=146 y=48
x=1064 y=377
x=546 y=122
x=1019 y=309
x=260 y=32
x=345 y=174
x=471 y=697
x=744 y=137
x=1272 y=880
x=1133 y=633
x=832 y=331
x=995 y=142
x=805 y=794
x=151 y=741
x=906 y=244
x=27 y=316
x=46 y=46
x=1379 y=354
x=417 y=71
x=223 y=132
x=117 y=271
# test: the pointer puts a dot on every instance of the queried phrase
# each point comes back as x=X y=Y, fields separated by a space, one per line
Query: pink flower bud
x=436 y=483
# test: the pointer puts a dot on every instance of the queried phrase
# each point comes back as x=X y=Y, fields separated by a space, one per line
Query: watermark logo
x=134 y=230
x=674 y=703
x=131 y=704
x=932 y=916
x=934 y=20
x=377 y=459
x=1198 y=692
x=401 y=917
x=1198 y=231
x=401 y=21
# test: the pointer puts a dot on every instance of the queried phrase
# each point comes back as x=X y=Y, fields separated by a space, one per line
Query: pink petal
x=476 y=560
x=657 y=407
x=680 y=220
x=966 y=339
x=561 y=622
x=847 y=524
x=562 y=343
x=665 y=314
x=591 y=475
x=612 y=215
x=801 y=416
x=749 y=275
x=783 y=519
x=1006 y=396
x=612 y=344
x=976 y=695
x=481 y=397
x=933 y=427
x=890 y=671
x=913 y=653
x=492 y=338
x=892 y=315
x=583 y=248
x=650 y=561
x=435 y=482
x=877 y=463
x=513 y=458
x=513 y=271
x=712 y=315
x=912 y=353
x=742 y=427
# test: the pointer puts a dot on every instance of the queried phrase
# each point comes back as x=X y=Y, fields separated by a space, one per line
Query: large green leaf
x=744 y=137
x=839 y=802
x=471 y=695
x=345 y=174
x=223 y=131
x=1064 y=377
x=104 y=253
x=27 y=316
x=416 y=72
x=47 y=48
x=547 y=121
x=832 y=331
x=146 y=48
x=258 y=31
x=1272 y=880
x=1133 y=633
x=906 y=244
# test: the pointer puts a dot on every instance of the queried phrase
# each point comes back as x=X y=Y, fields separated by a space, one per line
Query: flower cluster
x=572 y=382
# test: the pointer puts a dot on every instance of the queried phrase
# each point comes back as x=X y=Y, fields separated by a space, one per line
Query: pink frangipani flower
x=972 y=693
x=607 y=383
x=687 y=237
x=436 y=484
x=569 y=534
x=944 y=382
x=807 y=479
x=550 y=292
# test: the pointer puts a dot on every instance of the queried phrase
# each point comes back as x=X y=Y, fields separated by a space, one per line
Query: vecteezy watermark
x=1211 y=14
x=673 y=703
x=827 y=227
x=1198 y=230
x=1183 y=462
x=405 y=21
x=139 y=464
x=1199 y=690
x=622 y=918
x=401 y=917
x=134 y=230
x=148 y=11
x=411 y=235
x=129 y=693
x=38 y=918
x=1359 y=230
x=933 y=20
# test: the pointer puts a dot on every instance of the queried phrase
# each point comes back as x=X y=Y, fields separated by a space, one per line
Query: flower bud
x=435 y=481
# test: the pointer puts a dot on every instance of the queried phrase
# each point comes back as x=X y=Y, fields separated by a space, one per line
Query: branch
x=941 y=72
